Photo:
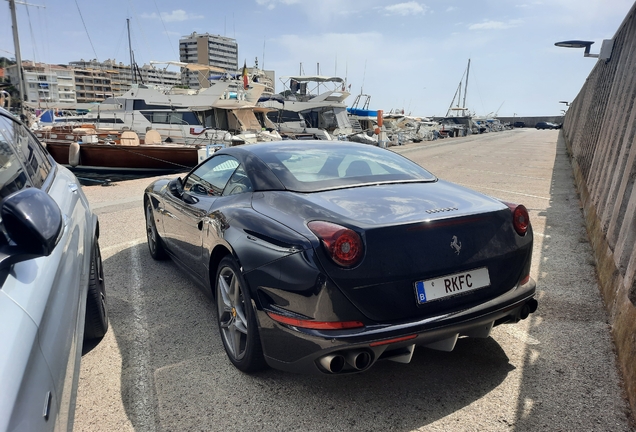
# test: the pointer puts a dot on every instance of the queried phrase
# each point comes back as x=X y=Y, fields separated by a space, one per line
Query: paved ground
x=162 y=367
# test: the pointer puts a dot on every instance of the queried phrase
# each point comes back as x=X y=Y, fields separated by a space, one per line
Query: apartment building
x=220 y=53
x=92 y=85
x=121 y=77
x=45 y=83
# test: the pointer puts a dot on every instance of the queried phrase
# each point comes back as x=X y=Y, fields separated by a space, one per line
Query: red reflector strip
x=315 y=325
x=390 y=341
x=525 y=280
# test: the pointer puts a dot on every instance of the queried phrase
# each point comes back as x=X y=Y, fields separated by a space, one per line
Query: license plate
x=450 y=285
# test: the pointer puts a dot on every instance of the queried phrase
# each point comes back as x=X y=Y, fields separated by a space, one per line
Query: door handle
x=200 y=225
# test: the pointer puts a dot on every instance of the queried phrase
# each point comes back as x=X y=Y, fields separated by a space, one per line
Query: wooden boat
x=86 y=148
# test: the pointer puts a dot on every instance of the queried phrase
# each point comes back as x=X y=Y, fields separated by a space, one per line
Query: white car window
x=211 y=177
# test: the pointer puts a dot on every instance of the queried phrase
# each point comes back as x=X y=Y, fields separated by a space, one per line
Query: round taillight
x=343 y=244
x=520 y=218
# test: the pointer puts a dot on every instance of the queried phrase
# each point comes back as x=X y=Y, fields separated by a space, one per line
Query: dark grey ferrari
x=329 y=256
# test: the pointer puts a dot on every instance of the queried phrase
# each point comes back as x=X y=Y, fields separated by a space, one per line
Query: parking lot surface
x=162 y=367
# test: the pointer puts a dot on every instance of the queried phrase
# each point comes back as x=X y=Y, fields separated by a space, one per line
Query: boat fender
x=74 y=154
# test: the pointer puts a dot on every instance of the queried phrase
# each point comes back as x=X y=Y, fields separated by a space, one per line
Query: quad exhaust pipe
x=358 y=360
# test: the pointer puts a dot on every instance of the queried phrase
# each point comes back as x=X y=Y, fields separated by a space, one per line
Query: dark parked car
x=546 y=125
x=51 y=283
x=329 y=256
x=519 y=124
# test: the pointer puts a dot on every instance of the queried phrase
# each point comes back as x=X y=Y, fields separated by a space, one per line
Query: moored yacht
x=312 y=106
x=214 y=115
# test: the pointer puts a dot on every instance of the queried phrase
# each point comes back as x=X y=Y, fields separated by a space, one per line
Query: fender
x=254 y=240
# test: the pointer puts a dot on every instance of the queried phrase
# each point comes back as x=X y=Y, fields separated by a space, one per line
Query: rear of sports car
x=390 y=267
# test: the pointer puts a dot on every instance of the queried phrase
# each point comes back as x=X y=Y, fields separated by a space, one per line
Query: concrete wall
x=599 y=131
x=532 y=121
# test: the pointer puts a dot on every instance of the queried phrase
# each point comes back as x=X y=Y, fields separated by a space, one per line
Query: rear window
x=308 y=167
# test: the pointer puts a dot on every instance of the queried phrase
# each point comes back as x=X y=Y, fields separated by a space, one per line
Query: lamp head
x=575 y=44
x=606 y=48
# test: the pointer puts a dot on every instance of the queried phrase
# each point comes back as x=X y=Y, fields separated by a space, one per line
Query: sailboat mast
x=466 y=86
x=18 y=57
x=132 y=64
x=453 y=101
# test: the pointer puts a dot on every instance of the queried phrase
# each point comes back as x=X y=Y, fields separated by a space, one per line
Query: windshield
x=309 y=167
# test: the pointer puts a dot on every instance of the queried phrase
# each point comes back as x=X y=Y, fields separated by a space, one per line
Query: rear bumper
x=303 y=351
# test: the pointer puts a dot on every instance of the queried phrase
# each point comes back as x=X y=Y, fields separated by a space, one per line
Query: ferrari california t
x=329 y=256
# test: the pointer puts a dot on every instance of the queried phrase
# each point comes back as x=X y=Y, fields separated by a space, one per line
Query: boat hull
x=142 y=157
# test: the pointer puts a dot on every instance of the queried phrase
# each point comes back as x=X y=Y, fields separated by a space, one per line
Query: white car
x=52 y=294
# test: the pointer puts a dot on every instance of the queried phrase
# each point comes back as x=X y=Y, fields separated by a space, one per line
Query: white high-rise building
x=218 y=52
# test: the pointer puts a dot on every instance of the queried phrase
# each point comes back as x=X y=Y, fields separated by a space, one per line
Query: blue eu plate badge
x=421 y=293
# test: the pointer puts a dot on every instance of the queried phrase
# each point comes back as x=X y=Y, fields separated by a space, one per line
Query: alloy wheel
x=231 y=312
x=150 y=230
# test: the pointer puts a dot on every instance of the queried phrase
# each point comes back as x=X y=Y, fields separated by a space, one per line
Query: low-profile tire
x=236 y=318
x=96 y=322
x=155 y=244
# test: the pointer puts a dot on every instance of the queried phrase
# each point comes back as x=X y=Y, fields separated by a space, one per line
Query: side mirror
x=33 y=221
x=176 y=187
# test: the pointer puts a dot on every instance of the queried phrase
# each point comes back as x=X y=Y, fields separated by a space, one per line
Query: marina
x=144 y=128
x=268 y=245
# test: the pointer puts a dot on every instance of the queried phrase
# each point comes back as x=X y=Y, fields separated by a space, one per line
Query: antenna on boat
x=263 y=59
x=364 y=75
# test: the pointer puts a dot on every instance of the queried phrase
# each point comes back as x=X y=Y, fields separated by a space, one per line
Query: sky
x=406 y=55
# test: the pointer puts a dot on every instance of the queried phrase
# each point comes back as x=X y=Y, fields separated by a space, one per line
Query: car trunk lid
x=413 y=233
